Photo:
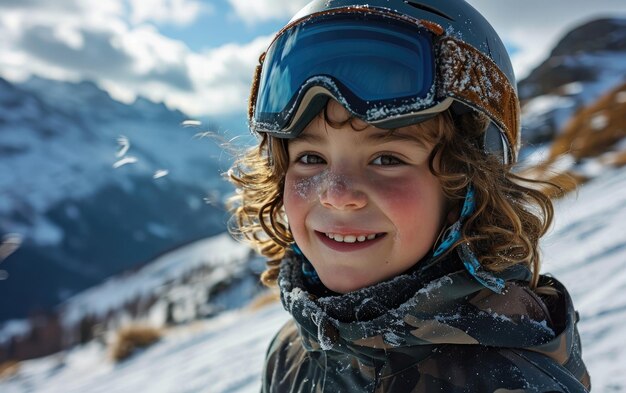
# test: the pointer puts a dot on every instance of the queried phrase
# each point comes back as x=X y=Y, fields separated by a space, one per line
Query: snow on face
x=312 y=187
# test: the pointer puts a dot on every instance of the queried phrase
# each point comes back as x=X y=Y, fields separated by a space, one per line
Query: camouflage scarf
x=441 y=303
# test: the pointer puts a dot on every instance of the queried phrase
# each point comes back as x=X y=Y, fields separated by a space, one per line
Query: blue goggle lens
x=372 y=59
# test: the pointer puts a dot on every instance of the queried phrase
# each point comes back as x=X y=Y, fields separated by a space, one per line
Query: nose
x=342 y=193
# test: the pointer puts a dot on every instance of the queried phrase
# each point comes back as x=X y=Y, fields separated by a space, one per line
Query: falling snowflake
x=191 y=123
x=160 y=173
x=124 y=145
x=125 y=161
x=9 y=244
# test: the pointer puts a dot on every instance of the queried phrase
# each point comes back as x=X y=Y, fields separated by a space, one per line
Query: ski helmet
x=390 y=63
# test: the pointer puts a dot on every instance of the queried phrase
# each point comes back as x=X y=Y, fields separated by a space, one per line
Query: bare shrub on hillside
x=9 y=369
x=263 y=299
x=131 y=338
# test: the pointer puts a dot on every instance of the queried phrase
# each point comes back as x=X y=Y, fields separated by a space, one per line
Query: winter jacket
x=426 y=331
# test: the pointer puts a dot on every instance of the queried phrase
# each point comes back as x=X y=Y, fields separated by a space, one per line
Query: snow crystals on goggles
x=387 y=69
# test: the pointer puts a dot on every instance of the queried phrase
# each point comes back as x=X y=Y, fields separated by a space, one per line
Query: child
x=381 y=192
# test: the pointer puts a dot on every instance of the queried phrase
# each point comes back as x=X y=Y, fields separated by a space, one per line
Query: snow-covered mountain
x=584 y=65
x=95 y=187
x=183 y=285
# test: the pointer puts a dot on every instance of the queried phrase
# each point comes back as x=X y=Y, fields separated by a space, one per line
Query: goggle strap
x=471 y=77
x=254 y=89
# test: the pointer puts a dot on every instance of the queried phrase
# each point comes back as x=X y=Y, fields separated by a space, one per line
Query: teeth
x=350 y=238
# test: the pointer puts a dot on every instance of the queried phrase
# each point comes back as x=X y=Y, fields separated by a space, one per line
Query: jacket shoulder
x=287 y=362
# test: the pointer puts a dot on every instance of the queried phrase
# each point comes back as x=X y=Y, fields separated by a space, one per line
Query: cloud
x=179 y=12
x=215 y=82
x=128 y=56
x=43 y=29
x=65 y=5
x=90 y=52
x=155 y=59
x=253 y=11
x=223 y=77
x=78 y=42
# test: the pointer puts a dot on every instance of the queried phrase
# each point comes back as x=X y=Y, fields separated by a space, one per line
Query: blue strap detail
x=469 y=205
x=451 y=236
x=296 y=249
x=476 y=270
x=453 y=233
x=471 y=263
x=308 y=271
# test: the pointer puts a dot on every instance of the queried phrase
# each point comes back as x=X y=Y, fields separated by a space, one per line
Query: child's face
x=349 y=185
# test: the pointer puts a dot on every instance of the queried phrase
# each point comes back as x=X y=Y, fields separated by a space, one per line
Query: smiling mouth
x=356 y=238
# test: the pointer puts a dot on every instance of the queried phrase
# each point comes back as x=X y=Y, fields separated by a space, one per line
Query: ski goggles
x=387 y=69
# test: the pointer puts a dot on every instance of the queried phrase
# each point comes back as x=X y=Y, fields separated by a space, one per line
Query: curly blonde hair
x=511 y=213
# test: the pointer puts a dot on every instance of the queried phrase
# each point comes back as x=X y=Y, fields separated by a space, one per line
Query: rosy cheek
x=412 y=203
x=397 y=191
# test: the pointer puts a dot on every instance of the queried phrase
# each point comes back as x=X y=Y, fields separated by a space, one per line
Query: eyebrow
x=391 y=136
x=308 y=138
x=380 y=137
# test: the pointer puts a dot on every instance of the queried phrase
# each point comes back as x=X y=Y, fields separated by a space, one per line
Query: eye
x=387 y=159
x=310 y=159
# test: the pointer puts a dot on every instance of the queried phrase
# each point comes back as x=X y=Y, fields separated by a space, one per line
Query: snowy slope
x=224 y=257
x=223 y=355
x=586 y=250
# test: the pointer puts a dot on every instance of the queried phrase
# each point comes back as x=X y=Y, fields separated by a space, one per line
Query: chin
x=343 y=283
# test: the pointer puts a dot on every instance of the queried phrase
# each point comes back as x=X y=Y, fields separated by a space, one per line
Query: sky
x=199 y=55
